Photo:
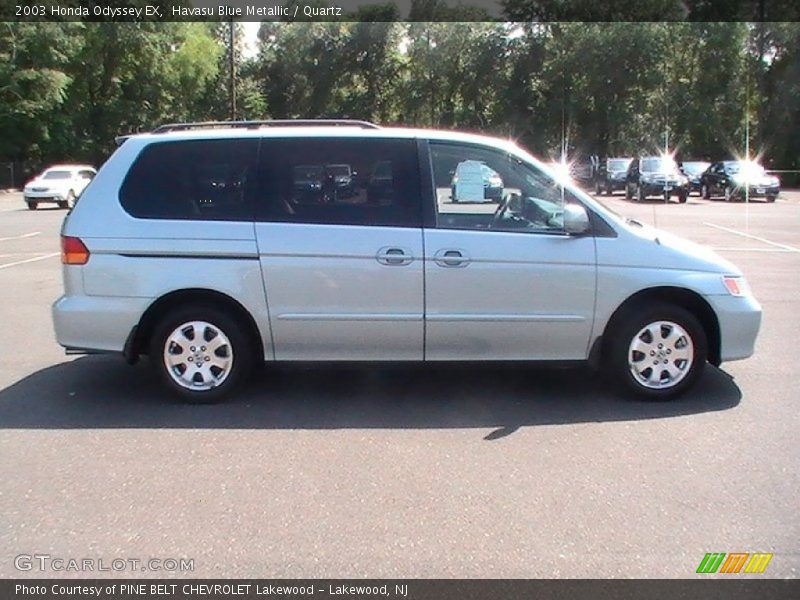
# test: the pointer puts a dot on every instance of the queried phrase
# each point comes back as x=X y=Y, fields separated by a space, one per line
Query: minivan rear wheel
x=659 y=352
x=201 y=353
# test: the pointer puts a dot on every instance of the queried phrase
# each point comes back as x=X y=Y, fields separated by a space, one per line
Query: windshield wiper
x=630 y=221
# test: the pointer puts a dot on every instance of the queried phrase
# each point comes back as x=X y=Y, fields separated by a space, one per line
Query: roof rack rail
x=272 y=123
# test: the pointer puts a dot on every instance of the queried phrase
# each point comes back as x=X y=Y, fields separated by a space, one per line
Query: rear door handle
x=394 y=256
x=451 y=257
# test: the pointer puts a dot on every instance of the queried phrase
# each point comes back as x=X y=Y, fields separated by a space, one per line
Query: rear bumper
x=739 y=323
x=96 y=323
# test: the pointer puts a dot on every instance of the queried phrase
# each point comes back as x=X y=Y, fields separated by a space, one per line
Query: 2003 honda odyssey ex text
x=209 y=247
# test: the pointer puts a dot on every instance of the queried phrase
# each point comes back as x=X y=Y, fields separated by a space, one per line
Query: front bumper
x=614 y=184
x=739 y=322
x=659 y=189
x=51 y=196
x=757 y=191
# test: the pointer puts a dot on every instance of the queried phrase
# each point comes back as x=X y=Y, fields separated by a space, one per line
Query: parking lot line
x=754 y=237
x=19 y=237
x=744 y=249
x=29 y=260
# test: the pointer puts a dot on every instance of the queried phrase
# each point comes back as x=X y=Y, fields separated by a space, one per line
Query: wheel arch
x=685 y=298
x=139 y=337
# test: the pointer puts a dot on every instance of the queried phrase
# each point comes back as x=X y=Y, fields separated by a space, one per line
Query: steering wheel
x=497 y=219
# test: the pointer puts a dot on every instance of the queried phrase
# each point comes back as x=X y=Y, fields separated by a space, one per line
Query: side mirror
x=576 y=219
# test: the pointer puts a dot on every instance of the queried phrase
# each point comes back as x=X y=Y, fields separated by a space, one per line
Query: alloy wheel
x=198 y=355
x=660 y=355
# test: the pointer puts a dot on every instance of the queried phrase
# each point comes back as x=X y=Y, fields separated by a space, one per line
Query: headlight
x=736 y=285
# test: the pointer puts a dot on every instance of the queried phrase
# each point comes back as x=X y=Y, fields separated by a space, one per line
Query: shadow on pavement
x=104 y=392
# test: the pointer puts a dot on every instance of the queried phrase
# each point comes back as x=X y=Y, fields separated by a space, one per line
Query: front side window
x=194 y=179
x=340 y=182
x=483 y=188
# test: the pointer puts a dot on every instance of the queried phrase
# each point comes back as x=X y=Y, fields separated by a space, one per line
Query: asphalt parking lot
x=375 y=472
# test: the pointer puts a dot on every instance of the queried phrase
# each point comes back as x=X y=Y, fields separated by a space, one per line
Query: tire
x=63 y=204
x=771 y=198
x=682 y=355
x=682 y=197
x=229 y=364
x=32 y=205
x=705 y=192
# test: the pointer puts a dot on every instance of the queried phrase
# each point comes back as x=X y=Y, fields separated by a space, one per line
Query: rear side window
x=197 y=179
x=340 y=182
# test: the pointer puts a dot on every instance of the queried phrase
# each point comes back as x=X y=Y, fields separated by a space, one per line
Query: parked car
x=737 y=180
x=307 y=183
x=491 y=181
x=655 y=176
x=694 y=169
x=60 y=184
x=210 y=279
x=584 y=171
x=343 y=179
x=611 y=175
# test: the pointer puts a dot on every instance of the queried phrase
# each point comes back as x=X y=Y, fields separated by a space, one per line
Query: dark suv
x=738 y=180
x=655 y=176
x=611 y=175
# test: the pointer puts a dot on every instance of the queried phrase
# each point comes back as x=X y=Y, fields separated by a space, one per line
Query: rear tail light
x=73 y=251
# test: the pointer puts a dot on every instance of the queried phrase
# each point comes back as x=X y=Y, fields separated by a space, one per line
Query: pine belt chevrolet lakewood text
x=209 y=247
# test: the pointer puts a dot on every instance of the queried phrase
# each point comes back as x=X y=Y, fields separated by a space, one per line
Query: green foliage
x=67 y=89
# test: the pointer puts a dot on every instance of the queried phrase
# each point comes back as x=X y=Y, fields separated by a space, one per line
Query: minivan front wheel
x=201 y=354
x=659 y=353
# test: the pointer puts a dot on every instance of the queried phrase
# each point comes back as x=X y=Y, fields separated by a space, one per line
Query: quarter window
x=197 y=179
x=481 y=188
x=340 y=181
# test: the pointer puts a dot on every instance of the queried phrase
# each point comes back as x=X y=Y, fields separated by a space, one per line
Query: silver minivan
x=209 y=247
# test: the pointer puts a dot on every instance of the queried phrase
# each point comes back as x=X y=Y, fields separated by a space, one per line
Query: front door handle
x=451 y=257
x=394 y=256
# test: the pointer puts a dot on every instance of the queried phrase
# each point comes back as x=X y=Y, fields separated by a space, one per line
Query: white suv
x=209 y=247
x=61 y=184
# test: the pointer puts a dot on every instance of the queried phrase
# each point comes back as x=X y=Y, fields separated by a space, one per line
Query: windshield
x=308 y=173
x=488 y=172
x=658 y=165
x=744 y=167
x=57 y=175
x=618 y=164
x=695 y=168
x=338 y=169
